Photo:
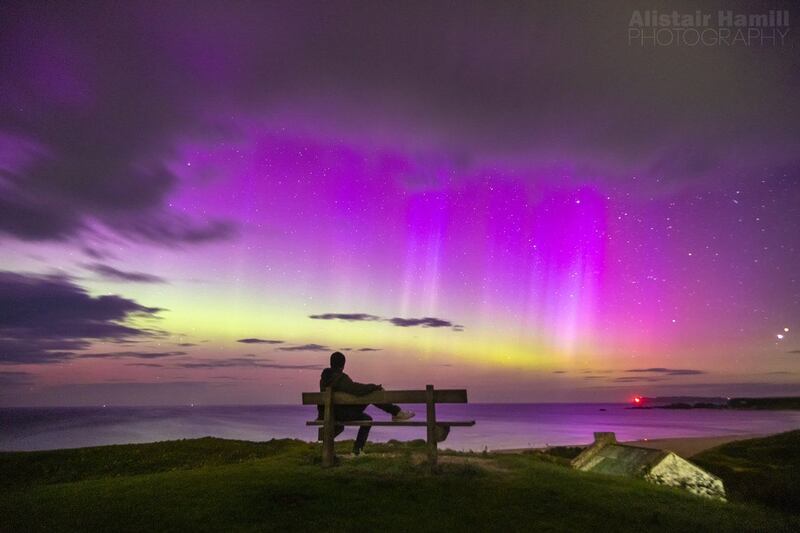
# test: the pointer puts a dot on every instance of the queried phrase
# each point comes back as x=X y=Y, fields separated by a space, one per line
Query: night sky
x=199 y=201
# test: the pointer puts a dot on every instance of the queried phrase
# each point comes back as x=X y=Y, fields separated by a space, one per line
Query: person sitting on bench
x=335 y=378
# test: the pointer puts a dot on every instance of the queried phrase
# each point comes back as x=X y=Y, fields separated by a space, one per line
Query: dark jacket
x=341 y=382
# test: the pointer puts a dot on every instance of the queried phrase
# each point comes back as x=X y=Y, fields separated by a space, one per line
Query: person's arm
x=345 y=384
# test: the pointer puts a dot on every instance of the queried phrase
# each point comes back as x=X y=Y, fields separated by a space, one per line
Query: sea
x=498 y=426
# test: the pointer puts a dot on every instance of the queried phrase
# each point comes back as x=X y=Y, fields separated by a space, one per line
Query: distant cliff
x=765 y=403
x=688 y=402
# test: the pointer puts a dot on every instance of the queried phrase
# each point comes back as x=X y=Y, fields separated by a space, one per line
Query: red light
x=637 y=400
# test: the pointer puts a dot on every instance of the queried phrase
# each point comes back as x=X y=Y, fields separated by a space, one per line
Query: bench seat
x=456 y=423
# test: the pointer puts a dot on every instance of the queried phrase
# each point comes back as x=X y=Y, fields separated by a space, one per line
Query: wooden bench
x=437 y=429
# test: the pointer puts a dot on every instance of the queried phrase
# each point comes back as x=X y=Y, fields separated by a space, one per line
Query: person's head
x=337 y=360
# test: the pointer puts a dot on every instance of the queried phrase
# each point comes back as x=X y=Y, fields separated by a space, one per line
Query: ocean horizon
x=498 y=425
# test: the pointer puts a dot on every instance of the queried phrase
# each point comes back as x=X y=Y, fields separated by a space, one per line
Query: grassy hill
x=219 y=485
x=763 y=470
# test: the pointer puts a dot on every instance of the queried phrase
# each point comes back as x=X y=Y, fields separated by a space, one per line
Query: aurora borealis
x=200 y=201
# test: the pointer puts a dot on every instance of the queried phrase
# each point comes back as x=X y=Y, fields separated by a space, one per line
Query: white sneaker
x=403 y=415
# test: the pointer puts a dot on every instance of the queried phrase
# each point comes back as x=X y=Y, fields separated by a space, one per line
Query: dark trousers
x=356 y=412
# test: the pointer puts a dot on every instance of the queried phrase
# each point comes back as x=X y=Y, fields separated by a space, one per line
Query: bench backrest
x=388 y=396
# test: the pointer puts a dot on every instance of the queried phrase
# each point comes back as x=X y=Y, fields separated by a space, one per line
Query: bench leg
x=328 y=456
x=431 y=423
x=327 y=450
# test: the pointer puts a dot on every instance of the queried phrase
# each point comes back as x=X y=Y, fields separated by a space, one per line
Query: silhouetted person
x=340 y=382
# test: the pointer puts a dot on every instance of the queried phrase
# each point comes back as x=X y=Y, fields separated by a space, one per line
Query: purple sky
x=199 y=201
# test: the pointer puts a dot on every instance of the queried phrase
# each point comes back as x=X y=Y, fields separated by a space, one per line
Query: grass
x=219 y=485
x=765 y=470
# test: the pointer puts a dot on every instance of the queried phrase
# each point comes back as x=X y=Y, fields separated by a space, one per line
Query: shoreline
x=684 y=446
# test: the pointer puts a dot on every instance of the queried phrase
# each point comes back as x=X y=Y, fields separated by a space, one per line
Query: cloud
x=369 y=349
x=639 y=379
x=45 y=319
x=149 y=365
x=349 y=317
x=137 y=101
x=245 y=362
x=794 y=351
x=129 y=110
x=94 y=253
x=109 y=272
x=186 y=344
x=559 y=371
x=426 y=322
x=171 y=229
x=669 y=371
x=253 y=340
x=34 y=350
x=306 y=348
x=138 y=355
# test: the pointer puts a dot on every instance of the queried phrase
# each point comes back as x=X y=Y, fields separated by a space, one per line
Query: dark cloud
x=639 y=379
x=559 y=371
x=369 y=349
x=94 y=253
x=12 y=378
x=794 y=351
x=170 y=229
x=34 y=350
x=45 y=319
x=245 y=362
x=138 y=355
x=306 y=348
x=135 y=392
x=426 y=322
x=93 y=114
x=669 y=371
x=36 y=219
x=350 y=317
x=109 y=272
x=91 y=128
x=253 y=340
x=149 y=365
x=186 y=344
